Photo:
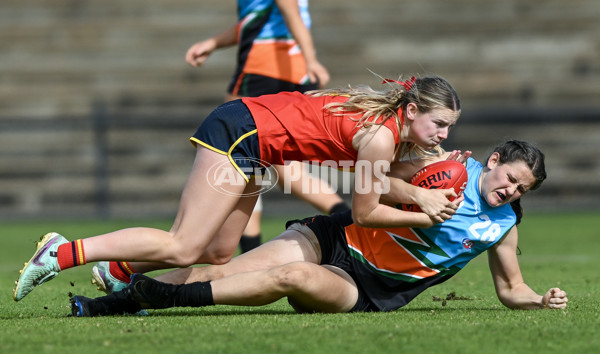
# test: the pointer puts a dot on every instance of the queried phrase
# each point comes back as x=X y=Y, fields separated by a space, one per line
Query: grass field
x=557 y=250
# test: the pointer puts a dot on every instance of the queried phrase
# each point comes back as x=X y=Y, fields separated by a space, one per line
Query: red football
x=440 y=175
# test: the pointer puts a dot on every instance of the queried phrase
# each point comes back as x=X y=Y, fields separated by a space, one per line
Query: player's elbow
x=507 y=303
x=362 y=219
x=514 y=302
x=504 y=297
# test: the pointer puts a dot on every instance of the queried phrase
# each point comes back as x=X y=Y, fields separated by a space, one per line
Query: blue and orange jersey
x=266 y=46
x=394 y=265
x=293 y=126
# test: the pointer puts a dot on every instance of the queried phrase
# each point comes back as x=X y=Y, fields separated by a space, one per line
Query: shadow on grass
x=224 y=312
x=253 y=312
x=28 y=315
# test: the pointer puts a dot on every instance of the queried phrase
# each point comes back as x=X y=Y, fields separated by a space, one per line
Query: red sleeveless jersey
x=292 y=126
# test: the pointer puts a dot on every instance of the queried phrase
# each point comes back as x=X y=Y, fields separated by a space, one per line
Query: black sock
x=151 y=293
x=338 y=208
x=117 y=303
x=248 y=243
x=194 y=295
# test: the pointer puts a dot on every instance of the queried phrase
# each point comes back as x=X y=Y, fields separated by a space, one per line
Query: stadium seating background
x=97 y=103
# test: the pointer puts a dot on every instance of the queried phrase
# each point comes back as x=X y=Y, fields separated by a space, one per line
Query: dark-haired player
x=330 y=264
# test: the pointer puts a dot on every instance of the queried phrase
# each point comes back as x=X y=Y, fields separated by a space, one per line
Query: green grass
x=557 y=250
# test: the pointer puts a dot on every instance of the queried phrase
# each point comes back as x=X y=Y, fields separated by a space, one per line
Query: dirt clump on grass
x=450 y=297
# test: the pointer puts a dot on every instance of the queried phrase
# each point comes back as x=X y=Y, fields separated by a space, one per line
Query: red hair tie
x=408 y=84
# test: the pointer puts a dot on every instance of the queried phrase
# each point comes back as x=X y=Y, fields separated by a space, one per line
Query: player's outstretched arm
x=199 y=52
x=508 y=280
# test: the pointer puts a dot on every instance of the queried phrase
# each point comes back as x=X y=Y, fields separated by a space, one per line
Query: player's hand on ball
x=442 y=183
x=555 y=299
x=457 y=155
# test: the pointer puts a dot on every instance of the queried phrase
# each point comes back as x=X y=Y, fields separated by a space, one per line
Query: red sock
x=70 y=255
x=121 y=270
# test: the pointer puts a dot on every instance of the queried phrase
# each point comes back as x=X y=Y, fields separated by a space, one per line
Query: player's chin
x=430 y=146
x=494 y=201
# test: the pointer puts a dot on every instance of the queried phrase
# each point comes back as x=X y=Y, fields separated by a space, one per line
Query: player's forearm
x=400 y=192
x=291 y=15
x=226 y=38
x=385 y=216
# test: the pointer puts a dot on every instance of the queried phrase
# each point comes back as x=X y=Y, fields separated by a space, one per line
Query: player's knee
x=292 y=276
x=217 y=257
x=183 y=260
x=182 y=255
x=186 y=258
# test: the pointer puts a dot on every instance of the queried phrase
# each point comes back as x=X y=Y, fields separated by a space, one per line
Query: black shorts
x=251 y=85
x=334 y=250
x=230 y=130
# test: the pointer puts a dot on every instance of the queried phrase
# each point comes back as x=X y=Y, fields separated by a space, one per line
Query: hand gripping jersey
x=266 y=46
x=292 y=126
x=395 y=265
